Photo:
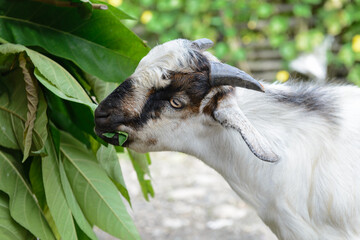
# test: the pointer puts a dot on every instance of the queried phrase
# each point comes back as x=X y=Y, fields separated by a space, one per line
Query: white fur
x=312 y=193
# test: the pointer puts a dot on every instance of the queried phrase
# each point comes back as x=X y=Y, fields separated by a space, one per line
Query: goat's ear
x=229 y=115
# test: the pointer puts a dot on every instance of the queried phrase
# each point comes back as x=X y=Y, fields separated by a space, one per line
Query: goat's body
x=314 y=191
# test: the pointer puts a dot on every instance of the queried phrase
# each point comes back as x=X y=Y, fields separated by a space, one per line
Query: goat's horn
x=223 y=74
x=202 y=44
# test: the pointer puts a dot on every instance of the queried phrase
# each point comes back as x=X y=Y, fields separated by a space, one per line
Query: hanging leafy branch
x=57 y=61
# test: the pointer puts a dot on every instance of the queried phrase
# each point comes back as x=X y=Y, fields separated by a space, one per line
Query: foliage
x=291 y=27
x=57 y=178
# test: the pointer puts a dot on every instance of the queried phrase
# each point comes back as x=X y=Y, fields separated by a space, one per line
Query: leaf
x=78 y=214
x=109 y=161
x=55 y=196
x=141 y=165
x=60 y=116
x=13 y=112
x=53 y=76
x=24 y=207
x=35 y=176
x=100 y=45
x=101 y=89
x=32 y=104
x=94 y=191
x=123 y=136
x=9 y=229
x=108 y=135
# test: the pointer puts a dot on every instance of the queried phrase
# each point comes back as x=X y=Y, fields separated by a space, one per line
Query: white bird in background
x=314 y=64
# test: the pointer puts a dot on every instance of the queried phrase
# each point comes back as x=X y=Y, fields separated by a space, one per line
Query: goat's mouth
x=117 y=138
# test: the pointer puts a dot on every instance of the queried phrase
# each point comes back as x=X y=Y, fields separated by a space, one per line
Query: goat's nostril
x=100 y=113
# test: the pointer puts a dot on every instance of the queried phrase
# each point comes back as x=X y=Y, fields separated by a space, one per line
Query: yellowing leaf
x=32 y=104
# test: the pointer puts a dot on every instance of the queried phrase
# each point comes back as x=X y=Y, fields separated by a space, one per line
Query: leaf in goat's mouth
x=123 y=136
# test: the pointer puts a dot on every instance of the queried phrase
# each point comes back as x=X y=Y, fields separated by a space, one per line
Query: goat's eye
x=176 y=103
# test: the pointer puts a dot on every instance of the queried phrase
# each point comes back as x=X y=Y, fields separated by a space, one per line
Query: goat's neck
x=282 y=124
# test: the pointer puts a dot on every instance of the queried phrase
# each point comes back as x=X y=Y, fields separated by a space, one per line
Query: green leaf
x=24 y=207
x=9 y=229
x=78 y=214
x=55 y=196
x=354 y=74
x=346 y=55
x=288 y=50
x=94 y=191
x=123 y=136
x=35 y=176
x=53 y=76
x=108 y=135
x=31 y=88
x=141 y=164
x=302 y=10
x=13 y=114
x=265 y=10
x=278 y=24
x=101 y=89
x=60 y=116
x=100 y=45
x=109 y=161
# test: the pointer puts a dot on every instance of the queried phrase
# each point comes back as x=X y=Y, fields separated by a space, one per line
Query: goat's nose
x=101 y=113
x=102 y=116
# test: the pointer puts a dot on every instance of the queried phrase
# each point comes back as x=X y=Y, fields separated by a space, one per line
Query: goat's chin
x=140 y=148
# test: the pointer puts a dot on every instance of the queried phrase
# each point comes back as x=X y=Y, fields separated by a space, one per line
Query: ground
x=192 y=202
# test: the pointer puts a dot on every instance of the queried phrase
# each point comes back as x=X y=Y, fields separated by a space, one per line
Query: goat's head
x=177 y=93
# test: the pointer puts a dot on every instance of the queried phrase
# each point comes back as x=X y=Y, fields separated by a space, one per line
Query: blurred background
x=272 y=40
x=265 y=38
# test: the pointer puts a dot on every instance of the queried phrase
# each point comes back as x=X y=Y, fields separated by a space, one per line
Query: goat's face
x=171 y=98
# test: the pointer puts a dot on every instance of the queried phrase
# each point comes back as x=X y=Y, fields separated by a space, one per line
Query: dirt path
x=192 y=202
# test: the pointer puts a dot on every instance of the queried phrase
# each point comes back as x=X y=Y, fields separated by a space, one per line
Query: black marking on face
x=311 y=98
x=109 y=112
x=194 y=85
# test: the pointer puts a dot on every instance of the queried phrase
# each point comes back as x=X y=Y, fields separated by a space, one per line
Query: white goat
x=308 y=185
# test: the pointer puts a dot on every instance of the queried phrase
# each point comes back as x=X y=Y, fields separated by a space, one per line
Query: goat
x=292 y=151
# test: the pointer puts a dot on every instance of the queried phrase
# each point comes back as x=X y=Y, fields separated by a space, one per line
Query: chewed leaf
x=108 y=135
x=123 y=136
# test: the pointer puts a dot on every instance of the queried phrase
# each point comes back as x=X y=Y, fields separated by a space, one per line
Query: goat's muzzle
x=107 y=122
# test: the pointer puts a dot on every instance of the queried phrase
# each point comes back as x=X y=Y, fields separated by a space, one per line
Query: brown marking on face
x=151 y=141
x=195 y=86
x=213 y=102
